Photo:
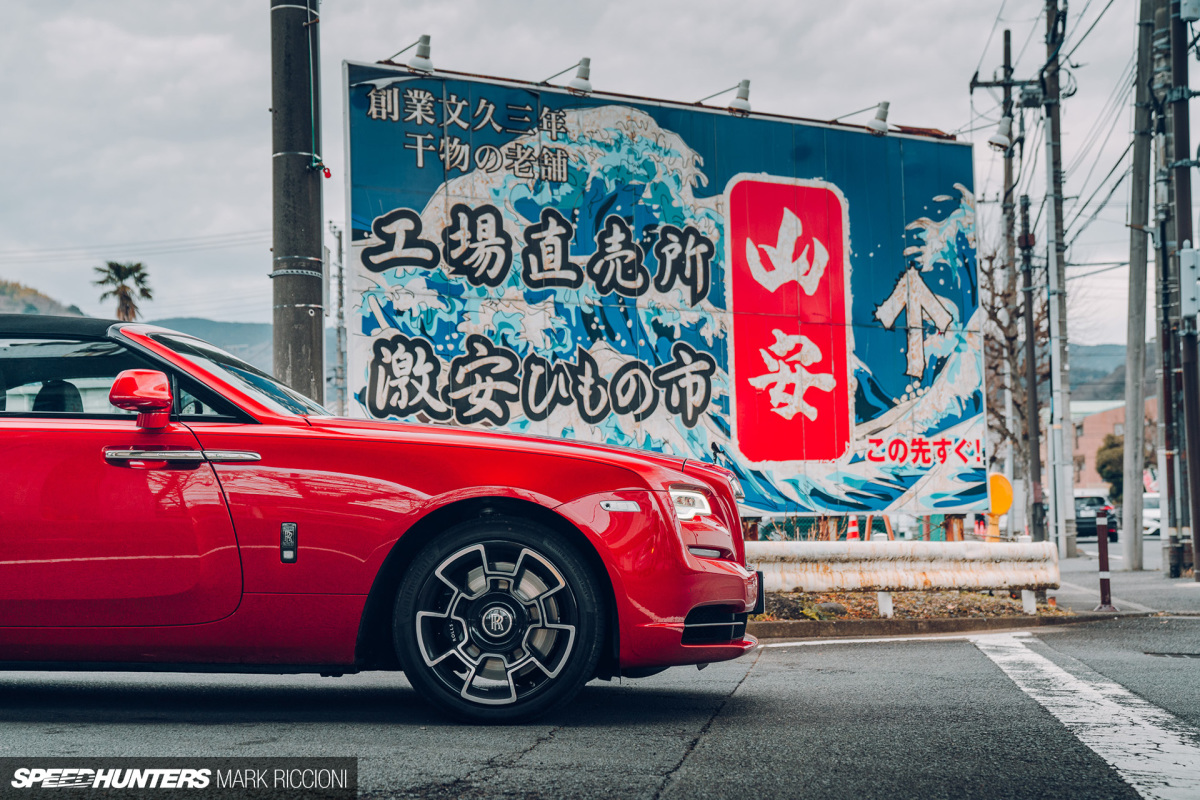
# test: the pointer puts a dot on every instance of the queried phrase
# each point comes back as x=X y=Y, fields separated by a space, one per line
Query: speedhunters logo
x=266 y=778
x=67 y=778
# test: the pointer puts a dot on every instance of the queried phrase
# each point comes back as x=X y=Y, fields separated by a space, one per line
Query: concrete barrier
x=896 y=566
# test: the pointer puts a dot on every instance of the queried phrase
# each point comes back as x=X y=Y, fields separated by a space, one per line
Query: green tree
x=1110 y=463
x=129 y=282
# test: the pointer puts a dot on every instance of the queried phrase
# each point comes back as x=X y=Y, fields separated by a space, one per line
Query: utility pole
x=339 y=371
x=1135 y=347
x=1032 y=423
x=1010 y=259
x=298 y=318
x=1181 y=180
x=1161 y=81
x=1006 y=83
x=1062 y=429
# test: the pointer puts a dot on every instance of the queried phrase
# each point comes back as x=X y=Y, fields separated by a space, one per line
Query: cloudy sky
x=139 y=129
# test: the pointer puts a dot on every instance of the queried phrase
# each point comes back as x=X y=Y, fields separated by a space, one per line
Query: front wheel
x=498 y=620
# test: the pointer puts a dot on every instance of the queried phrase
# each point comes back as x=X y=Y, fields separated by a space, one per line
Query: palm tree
x=129 y=282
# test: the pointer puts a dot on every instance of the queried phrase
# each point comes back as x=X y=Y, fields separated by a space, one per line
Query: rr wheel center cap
x=496 y=621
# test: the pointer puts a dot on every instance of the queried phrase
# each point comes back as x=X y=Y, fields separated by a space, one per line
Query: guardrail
x=896 y=566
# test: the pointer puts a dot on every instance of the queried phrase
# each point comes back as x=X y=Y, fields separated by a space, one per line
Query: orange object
x=852 y=531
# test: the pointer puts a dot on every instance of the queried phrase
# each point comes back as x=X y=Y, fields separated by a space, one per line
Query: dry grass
x=907 y=605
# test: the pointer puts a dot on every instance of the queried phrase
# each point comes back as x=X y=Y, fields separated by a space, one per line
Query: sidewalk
x=1146 y=591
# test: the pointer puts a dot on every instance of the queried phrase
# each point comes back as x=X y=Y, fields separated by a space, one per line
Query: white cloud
x=134 y=120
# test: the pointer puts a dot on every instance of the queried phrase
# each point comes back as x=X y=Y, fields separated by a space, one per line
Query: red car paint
x=175 y=564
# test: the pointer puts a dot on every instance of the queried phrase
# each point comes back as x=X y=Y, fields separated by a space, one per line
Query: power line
x=1099 y=16
x=144 y=243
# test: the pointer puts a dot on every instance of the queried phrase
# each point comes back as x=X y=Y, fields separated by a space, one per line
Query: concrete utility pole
x=1135 y=347
x=339 y=372
x=1010 y=252
x=1006 y=83
x=1164 y=241
x=1037 y=528
x=299 y=319
x=1062 y=429
x=1181 y=178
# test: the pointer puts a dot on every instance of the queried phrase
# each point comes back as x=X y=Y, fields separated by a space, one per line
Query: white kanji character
x=422 y=143
x=383 y=104
x=486 y=109
x=455 y=108
x=455 y=153
x=554 y=164
x=788 y=381
x=520 y=159
x=553 y=121
x=418 y=106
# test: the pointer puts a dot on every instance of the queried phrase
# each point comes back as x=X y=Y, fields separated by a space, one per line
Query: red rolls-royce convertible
x=166 y=506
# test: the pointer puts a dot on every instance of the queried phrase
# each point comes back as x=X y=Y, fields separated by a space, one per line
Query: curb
x=811 y=629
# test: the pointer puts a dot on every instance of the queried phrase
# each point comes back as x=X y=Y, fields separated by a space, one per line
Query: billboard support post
x=298 y=318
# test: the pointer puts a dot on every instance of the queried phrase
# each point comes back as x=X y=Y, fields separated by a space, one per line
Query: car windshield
x=1150 y=502
x=261 y=386
x=1089 y=502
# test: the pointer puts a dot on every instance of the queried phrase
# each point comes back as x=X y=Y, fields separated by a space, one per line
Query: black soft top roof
x=49 y=325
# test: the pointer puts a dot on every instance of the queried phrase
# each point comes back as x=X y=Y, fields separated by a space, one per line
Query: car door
x=91 y=534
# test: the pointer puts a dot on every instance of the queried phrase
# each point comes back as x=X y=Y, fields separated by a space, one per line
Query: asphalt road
x=925 y=718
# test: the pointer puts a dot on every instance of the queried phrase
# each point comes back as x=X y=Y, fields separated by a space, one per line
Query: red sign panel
x=788 y=250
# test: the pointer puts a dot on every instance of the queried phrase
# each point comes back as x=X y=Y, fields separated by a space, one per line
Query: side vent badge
x=288 y=543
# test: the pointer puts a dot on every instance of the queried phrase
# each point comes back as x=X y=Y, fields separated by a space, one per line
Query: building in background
x=1095 y=419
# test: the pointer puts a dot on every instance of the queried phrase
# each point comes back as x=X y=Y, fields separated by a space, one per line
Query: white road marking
x=929 y=637
x=1119 y=602
x=1152 y=750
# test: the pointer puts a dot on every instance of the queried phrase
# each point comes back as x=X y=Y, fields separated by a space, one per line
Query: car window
x=1090 y=502
x=1150 y=502
x=51 y=377
x=258 y=384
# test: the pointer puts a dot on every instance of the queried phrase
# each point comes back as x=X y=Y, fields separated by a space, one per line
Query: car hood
x=641 y=461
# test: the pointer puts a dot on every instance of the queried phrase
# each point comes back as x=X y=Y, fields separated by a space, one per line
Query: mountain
x=18 y=299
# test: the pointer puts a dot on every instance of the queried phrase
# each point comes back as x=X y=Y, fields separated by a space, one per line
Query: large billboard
x=794 y=300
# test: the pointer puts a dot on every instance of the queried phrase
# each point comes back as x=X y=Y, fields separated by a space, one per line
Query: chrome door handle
x=115 y=454
x=216 y=456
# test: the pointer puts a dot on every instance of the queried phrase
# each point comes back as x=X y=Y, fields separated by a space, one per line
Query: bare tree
x=1003 y=302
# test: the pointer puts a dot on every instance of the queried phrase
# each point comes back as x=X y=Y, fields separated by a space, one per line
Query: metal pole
x=1061 y=428
x=1135 y=340
x=1105 y=580
x=339 y=378
x=1032 y=423
x=299 y=318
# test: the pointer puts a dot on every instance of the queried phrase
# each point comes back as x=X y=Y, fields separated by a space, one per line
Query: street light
x=879 y=125
x=1002 y=139
x=420 y=62
x=581 y=83
x=740 y=104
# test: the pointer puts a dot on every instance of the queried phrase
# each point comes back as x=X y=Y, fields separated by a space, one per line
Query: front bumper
x=657 y=583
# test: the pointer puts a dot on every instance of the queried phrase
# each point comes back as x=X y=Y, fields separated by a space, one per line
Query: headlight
x=689 y=503
x=739 y=493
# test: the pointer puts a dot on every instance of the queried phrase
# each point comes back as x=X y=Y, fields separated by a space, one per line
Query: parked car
x=1088 y=504
x=168 y=506
x=1151 y=514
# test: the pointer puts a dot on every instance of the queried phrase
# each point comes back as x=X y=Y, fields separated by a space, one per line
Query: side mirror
x=145 y=391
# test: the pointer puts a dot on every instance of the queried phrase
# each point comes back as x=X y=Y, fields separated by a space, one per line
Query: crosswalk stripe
x=1154 y=751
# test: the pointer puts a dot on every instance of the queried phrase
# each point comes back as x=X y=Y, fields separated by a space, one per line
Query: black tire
x=498 y=620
